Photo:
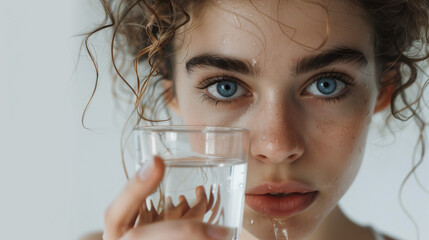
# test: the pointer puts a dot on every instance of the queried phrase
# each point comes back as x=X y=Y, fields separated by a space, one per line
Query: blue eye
x=326 y=86
x=226 y=89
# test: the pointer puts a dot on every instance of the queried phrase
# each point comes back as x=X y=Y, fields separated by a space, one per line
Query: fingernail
x=218 y=232
x=146 y=170
x=200 y=191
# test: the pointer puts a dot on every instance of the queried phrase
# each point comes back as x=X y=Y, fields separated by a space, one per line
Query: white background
x=56 y=178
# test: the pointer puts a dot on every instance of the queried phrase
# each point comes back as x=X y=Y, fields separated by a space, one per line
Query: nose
x=276 y=134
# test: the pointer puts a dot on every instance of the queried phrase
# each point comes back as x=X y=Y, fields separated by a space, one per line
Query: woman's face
x=308 y=111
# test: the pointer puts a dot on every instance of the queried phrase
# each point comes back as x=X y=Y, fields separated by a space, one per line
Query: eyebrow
x=300 y=66
x=326 y=58
x=221 y=62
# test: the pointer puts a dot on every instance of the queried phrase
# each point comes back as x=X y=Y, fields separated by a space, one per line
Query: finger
x=211 y=199
x=197 y=212
x=215 y=209
x=177 y=212
x=179 y=230
x=146 y=216
x=181 y=209
x=183 y=204
x=221 y=218
x=153 y=211
x=122 y=213
x=169 y=204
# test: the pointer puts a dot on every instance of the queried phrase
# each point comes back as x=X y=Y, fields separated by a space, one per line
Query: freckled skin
x=293 y=137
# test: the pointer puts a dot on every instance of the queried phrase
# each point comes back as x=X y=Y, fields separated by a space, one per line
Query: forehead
x=271 y=29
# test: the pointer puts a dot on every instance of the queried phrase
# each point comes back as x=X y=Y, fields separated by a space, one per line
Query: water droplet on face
x=250 y=15
x=253 y=44
x=251 y=221
x=242 y=4
x=219 y=1
x=225 y=39
x=280 y=231
x=253 y=62
x=237 y=22
x=263 y=139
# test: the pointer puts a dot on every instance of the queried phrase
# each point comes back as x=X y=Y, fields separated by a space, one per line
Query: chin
x=299 y=226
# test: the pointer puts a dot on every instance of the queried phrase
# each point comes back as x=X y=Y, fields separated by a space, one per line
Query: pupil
x=326 y=85
x=226 y=88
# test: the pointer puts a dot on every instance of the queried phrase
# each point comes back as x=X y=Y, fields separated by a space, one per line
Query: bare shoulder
x=92 y=236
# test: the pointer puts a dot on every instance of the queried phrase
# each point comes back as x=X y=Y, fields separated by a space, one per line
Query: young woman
x=305 y=77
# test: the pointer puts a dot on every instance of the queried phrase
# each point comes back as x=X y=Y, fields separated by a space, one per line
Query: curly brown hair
x=146 y=29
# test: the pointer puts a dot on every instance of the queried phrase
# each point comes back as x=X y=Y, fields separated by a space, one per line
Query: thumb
x=123 y=211
x=147 y=179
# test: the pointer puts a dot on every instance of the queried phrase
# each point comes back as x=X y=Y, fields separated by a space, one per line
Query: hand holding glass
x=205 y=173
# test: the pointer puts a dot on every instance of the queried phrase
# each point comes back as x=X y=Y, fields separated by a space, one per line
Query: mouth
x=281 y=200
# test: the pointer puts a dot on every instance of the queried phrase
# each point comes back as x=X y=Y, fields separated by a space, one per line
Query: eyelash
x=348 y=81
x=212 y=80
x=325 y=74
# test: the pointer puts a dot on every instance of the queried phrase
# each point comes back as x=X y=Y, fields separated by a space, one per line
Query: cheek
x=338 y=149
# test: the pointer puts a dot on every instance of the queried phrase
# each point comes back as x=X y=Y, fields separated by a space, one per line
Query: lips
x=281 y=199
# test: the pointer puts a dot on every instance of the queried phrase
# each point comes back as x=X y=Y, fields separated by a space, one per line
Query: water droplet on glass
x=280 y=231
x=237 y=22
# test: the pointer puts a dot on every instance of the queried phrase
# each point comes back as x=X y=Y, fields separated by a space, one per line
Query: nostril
x=293 y=157
x=261 y=157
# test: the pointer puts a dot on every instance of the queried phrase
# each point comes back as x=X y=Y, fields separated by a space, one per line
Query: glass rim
x=190 y=129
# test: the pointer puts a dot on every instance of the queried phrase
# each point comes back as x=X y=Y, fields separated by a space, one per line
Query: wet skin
x=247 y=65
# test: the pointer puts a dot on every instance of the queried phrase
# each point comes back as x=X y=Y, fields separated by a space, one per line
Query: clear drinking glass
x=205 y=175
